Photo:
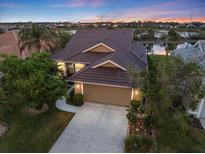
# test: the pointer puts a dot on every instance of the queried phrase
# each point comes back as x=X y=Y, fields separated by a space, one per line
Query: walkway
x=94 y=128
x=62 y=105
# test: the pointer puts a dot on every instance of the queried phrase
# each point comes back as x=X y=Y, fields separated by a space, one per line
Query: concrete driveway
x=96 y=128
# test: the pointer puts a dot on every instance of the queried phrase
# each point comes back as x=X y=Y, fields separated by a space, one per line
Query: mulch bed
x=139 y=127
x=33 y=111
x=3 y=128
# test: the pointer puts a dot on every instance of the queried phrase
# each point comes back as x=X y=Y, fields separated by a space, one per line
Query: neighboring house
x=202 y=26
x=191 y=26
x=100 y=59
x=5 y=28
x=9 y=45
x=196 y=53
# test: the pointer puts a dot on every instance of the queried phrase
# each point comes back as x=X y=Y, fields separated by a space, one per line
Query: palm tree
x=37 y=37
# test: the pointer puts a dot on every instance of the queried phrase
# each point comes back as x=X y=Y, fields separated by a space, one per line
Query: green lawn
x=193 y=142
x=34 y=134
x=157 y=58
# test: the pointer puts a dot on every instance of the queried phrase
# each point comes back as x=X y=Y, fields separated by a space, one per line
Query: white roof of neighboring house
x=195 y=53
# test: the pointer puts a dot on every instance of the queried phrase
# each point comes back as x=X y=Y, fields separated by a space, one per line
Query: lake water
x=159 y=48
x=71 y=31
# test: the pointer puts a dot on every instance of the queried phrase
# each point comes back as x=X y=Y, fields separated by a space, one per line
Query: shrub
x=78 y=99
x=132 y=117
x=137 y=143
x=34 y=80
x=149 y=122
x=69 y=98
x=142 y=109
x=135 y=104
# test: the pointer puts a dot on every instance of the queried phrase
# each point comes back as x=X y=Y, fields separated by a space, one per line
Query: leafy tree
x=36 y=36
x=169 y=47
x=149 y=48
x=151 y=33
x=171 y=87
x=137 y=33
x=33 y=80
x=173 y=36
x=62 y=39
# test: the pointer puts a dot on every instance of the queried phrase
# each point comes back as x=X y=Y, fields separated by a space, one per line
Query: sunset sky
x=101 y=10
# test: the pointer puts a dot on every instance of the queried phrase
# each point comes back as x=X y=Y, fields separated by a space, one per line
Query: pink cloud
x=79 y=3
x=91 y=18
x=140 y=13
x=163 y=11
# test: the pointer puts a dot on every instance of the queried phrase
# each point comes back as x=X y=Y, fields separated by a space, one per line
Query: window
x=78 y=67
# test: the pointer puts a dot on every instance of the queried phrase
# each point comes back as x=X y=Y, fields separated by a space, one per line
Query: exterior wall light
x=136 y=92
x=78 y=86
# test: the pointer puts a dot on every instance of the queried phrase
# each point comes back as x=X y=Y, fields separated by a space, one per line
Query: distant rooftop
x=195 y=53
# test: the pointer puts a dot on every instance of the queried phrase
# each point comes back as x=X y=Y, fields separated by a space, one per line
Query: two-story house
x=99 y=60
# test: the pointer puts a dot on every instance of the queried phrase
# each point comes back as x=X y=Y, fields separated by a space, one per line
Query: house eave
x=101 y=84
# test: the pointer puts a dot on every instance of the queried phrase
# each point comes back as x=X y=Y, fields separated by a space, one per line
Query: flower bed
x=138 y=127
x=137 y=119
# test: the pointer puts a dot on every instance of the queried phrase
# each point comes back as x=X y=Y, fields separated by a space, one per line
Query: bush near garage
x=78 y=99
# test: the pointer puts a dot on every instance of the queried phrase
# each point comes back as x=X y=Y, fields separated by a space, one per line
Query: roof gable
x=109 y=63
x=201 y=45
x=100 y=47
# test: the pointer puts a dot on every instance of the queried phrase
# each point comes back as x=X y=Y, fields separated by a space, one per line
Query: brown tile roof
x=103 y=75
x=87 y=57
x=120 y=40
x=127 y=53
x=139 y=51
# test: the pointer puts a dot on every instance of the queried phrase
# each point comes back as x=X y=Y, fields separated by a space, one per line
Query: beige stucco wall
x=107 y=94
x=78 y=88
x=100 y=48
